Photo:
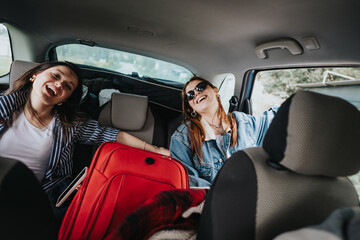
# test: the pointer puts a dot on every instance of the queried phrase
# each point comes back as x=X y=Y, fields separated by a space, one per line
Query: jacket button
x=220 y=160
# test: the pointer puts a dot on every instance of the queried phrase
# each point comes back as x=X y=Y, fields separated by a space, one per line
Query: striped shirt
x=60 y=162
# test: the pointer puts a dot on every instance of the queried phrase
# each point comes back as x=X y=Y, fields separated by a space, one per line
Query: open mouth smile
x=51 y=91
x=201 y=99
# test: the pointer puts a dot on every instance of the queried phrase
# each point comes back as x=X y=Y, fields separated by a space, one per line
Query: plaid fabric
x=162 y=212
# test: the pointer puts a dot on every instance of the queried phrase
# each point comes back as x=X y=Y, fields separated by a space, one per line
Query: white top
x=28 y=144
x=220 y=142
x=210 y=135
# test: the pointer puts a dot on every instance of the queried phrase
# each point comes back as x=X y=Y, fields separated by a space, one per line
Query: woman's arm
x=183 y=153
x=9 y=103
x=91 y=132
x=133 y=141
x=256 y=127
x=263 y=122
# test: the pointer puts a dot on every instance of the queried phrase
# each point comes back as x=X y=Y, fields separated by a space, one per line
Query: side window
x=273 y=87
x=5 y=51
x=226 y=90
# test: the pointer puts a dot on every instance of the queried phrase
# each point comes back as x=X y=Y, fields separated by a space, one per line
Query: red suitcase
x=119 y=180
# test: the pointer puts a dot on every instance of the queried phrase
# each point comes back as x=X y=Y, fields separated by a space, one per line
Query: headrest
x=125 y=111
x=18 y=68
x=315 y=134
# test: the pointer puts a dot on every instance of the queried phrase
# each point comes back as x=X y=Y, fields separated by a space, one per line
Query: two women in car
x=42 y=109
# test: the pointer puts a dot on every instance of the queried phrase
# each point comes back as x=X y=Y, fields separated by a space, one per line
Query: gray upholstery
x=295 y=179
x=131 y=114
x=18 y=68
x=321 y=131
x=294 y=200
x=322 y=143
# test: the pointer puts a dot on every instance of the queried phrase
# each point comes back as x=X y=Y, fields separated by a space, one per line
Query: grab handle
x=289 y=44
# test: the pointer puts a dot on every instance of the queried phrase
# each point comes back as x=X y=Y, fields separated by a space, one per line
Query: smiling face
x=54 y=85
x=205 y=101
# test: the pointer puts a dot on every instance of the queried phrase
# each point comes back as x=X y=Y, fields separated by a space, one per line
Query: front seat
x=297 y=178
x=25 y=210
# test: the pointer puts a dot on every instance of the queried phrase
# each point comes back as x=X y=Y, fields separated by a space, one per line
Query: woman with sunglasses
x=208 y=136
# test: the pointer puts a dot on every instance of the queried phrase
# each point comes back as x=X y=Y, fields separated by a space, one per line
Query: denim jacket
x=250 y=133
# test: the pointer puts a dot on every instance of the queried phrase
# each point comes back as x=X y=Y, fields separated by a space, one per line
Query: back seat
x=172 y=126
x=130 y=113
x=18 y=68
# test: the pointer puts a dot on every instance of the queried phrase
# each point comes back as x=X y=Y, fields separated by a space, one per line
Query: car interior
x=135 y=57
x=280 y=182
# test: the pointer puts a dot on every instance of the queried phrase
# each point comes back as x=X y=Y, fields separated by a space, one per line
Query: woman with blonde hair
x=208 y=136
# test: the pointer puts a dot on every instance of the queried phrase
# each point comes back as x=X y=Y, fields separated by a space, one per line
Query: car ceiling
x=209 y=37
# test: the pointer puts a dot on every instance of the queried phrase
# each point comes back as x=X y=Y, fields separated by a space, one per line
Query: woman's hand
x=159 y=150
x=133 y=141
x=163 y=151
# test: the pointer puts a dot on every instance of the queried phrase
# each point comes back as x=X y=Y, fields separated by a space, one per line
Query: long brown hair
x=196 y=130
x=67 y=112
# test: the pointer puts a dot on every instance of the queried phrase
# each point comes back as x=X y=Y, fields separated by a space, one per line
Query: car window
x=5 y=51
x=226 y=90
x=273 y=87
x=123 y=62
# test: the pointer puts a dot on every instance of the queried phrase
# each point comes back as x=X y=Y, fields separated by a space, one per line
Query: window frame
x=5 y=77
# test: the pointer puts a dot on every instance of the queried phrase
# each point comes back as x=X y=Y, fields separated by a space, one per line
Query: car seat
x=18 y=68
x=130 y=113
x=25 y=211
x=297 y=178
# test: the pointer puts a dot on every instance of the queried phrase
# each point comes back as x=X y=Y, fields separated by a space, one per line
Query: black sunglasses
x=201 y=86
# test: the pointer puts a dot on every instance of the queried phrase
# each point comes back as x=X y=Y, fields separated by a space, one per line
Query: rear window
x=123 y=62
x=5 y=51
